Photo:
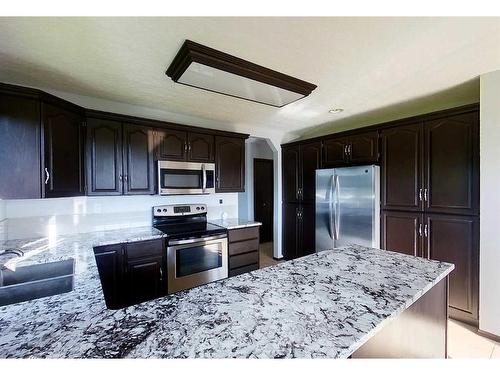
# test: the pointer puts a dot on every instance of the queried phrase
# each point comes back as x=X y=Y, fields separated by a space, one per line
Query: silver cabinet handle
x=47 y=176
x=120 y=177
x=189 y=147
x=346 y=150
x=425 y=195
x=349 y=149
x=420 y=195
x=425 y=231
x=185 y=147
x=161 y=274
x=420 y=230
x=126 y=178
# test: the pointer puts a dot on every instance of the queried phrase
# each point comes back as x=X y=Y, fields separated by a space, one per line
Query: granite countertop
x=322 y=305
x=235 y=223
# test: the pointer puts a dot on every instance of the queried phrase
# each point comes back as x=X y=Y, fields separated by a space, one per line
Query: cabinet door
x=307 y=223
x=452 y=164
x=138 y=170
x=291 y=230
x=363 y=148
x=291 y=173
x=230 y=164
x=104 y=157
x=401 y=174
x=402 y=232
x=109 y=261
x=334 y=152
x=20 y=172
x=63 y=152
x=310 y=160
x=201 y=147
x=171 y=144
x=144 y=279
x=454 y=239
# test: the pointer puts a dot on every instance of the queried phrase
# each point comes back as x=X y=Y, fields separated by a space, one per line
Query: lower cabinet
x=299 y=228
x=243 y=248
x=131 y=273
x=447 y=238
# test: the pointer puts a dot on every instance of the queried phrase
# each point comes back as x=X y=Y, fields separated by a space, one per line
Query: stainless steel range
x=196 y=250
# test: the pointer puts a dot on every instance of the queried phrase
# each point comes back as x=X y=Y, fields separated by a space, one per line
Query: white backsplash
x=29 y=218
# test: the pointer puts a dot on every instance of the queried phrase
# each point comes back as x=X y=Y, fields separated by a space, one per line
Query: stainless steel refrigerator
x=347 y=207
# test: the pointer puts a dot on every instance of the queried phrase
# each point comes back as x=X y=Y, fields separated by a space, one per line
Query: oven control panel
x=179 y=209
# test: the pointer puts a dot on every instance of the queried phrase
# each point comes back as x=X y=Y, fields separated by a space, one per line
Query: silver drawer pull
x=47 y=176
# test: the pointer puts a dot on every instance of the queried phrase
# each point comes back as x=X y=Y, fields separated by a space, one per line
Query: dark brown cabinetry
x=63 y=170
x=131 y=273
x=401 y=169
x=119 y=158
x=402 y=232
x=243 y=248
x=104 y=157
x=229 y=164
x=138 y=164
x=354 y=149
x=455 y=239
x=291 y=173
x=201 y=147
x=298 y=230
x=178 y=145
x=20 y=157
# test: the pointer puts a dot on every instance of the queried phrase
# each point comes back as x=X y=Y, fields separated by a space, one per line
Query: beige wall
x=489 y=269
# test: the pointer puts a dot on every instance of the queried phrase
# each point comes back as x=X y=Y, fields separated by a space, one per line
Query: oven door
x=196 y=262
x=185 y=178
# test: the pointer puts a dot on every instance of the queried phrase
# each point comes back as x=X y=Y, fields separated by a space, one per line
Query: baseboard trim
x=488 y=335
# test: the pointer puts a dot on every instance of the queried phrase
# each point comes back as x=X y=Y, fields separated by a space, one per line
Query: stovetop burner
x=184 y=222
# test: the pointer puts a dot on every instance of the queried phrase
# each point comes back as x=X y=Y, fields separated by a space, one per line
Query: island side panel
x=419 y=332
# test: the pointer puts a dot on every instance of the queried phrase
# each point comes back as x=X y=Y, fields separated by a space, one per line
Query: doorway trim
x=271 y=162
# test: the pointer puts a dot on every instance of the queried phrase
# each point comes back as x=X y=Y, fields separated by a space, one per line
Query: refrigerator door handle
x=330 y=208
x=337 y=206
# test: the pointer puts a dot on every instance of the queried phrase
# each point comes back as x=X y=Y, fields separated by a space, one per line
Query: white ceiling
x=374 y=68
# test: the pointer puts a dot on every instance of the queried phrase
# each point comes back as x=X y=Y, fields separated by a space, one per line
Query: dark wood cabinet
x=447 y=238
x=229 y=164
x=63 y=170
x=131 y=273
x=455 y=239
x=402 y=232
x=20 y=157
x=363 y=148
x=401 y=170
x=291 y=173
x=352 y=150
x=310 y=160
x=299 y=164
x=335 y=152
x=298 y=230
x=110 y=264
x=201 y=148
x=138 y=164
x=452 y=164
x=243 y=248
x=170 y=144
x=104 y=157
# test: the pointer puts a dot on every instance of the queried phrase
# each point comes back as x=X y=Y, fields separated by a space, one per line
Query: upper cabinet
x=229 y=164
x=299 y=172
x=119 y=158
x=63 y=170
x=20 y=157
x=355 y=149
x=432 y=166
x=451 y=149
x=401 y=172
x=178 y=145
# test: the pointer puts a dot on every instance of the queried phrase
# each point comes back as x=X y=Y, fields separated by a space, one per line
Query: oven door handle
x=194 y=240
x=204 y=172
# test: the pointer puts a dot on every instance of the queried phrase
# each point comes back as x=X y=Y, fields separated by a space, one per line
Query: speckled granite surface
x=322 y=305
x=235 y=223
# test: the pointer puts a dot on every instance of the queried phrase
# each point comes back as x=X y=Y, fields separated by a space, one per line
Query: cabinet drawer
x=245 y=269
x=243 y=234
x=144 y=249
x=243 y=259
x=241 y=247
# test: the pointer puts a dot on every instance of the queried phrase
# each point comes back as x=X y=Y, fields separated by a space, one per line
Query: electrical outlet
x=220 y=201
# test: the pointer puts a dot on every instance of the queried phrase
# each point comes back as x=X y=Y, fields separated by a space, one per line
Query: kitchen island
x=333 y=304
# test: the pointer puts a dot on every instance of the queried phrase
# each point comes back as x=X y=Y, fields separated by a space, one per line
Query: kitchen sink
x=36 y=281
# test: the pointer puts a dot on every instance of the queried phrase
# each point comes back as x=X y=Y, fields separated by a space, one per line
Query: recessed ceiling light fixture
x=335 y=110
x=206 y=68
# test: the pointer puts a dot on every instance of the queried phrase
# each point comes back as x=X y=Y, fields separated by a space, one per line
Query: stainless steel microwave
x=178 y=177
